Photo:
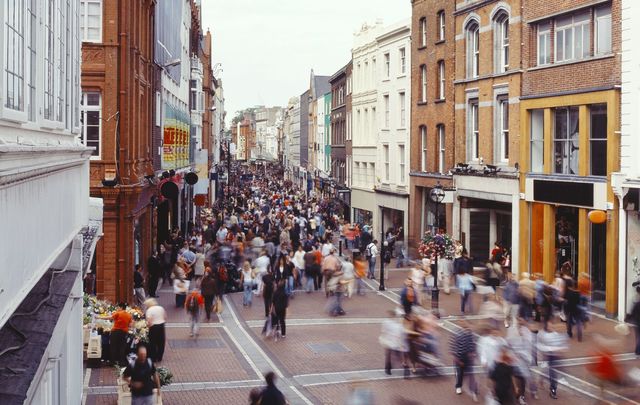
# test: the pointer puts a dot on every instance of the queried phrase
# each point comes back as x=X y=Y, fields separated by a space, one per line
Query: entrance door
x=598 y=264
x=479 y=235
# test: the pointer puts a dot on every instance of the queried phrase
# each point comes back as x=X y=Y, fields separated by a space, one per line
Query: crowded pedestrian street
x=329 y=357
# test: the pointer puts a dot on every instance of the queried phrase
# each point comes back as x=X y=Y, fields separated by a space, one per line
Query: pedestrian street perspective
x=344 y=202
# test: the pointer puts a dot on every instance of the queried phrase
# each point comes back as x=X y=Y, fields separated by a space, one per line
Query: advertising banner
x=175 y=146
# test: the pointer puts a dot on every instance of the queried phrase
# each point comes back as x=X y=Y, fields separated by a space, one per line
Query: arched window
x=441 y=80
x=501 y=42
x=423 y=31
x=473 y=48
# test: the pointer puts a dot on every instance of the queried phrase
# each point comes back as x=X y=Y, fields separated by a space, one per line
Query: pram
x=426 y=353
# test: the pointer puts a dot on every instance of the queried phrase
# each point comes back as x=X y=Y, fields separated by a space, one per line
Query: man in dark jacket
x=155 y=273
x=271 y=395
x=634 y=318
x=572 y=309
x=463 y=349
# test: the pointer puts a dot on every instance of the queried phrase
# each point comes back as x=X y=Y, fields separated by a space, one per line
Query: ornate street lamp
x=437 y=196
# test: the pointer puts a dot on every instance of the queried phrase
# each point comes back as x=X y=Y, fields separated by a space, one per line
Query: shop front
x=568 y=155
x=422 y=210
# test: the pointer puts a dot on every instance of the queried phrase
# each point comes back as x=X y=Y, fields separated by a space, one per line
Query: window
x=14 y=63
x=473 y=49
x=537 y=141
x=423 y=31
x=441 y=80
x=565 y=141
x=385 y=156
x=387 y=65
x=403 y=61
x=501 y=44
x=598 y=142
x=403 y=115
x=423 y=143
x=374 y=69
x=402 y=163
x=33 y=63
x=544 y=44
x=348 y=125
x=423 y=83
x=503 y=128
x=573 y=37
x=603 y=30
x=91 y=121
x=441 y=25
x=91 y=20
x=386 y=110
x=441 y=148
x=474 y=133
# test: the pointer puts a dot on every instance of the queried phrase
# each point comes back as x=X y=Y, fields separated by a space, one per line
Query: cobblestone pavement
x=324 y=359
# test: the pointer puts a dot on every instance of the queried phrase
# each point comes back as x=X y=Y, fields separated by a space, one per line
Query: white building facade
x=321 y=139
x=393 y=118
x=42 y=161
x=365 y=123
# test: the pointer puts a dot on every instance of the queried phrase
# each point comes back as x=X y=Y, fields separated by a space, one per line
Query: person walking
x=552 y=344
x=271 y=395
x=408 y=296
x=138 y=286
x=267 y=292
x=463 y=348
x=393 y=339
x=510 y=300
x=194 y=304
x=336 y=288
x=280 y=304
x=502 y=376
x=155 y=273
x=348 y=276
x=360 y=266
x=142 y=377
x=371 y=251
x=573 y=311
x=156 y=317
x=246 y=280
x=465 y=285
x=198 y=267
x=208 y=289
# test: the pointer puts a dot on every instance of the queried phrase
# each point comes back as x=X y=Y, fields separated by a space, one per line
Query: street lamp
x=437 y=196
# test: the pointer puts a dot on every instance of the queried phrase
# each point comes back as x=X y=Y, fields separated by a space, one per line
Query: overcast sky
x=268 y=47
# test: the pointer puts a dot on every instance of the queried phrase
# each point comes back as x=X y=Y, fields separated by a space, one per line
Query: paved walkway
x=324 y=359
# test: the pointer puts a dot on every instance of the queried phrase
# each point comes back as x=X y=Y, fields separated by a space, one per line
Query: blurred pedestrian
x=465 y=285
x=551 y=344
x=208 y=289
x=393 y=339
x=156 y=317
x=502 y=377
x=138 y=285
x=142 y=377
x=280 y=305
x=408 y=296
x=194 y=306
x=271 y=395
x=463 y=349
x=246 y=281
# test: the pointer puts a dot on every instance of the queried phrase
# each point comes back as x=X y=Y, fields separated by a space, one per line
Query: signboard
x=175 y=139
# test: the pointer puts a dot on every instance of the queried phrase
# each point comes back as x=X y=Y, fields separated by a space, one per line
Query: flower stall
x=443 y=247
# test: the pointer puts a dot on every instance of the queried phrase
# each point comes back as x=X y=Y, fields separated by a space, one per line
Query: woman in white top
x=246 y=278
x=198 y=267
x=156 y=318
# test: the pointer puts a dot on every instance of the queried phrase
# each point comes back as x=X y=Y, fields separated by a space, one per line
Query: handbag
x=219 y=307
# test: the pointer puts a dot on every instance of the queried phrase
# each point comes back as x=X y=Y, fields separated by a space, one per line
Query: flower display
x=438 y=245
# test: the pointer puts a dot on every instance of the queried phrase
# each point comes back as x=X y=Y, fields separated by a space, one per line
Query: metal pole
x=382 y=248
x=435 y=293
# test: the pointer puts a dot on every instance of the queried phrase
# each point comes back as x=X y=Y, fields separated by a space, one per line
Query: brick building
x=487 y=84
x=570 y=146
x=340 y=127
x=117 y=101
x=432 y=151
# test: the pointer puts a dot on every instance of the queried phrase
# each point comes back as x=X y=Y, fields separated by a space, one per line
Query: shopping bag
x=219 y=307
x=267 y=330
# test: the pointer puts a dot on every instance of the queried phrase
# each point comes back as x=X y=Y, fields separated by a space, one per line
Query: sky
x=267 y=48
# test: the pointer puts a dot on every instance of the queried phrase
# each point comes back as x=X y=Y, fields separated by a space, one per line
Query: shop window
x=598 y=141
x=567 y=239
x=598 y=265
x=537 y=141
x=565 y=140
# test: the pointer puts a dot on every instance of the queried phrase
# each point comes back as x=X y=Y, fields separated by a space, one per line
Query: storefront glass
x=567 y=239
x=362 y=216
x=598 y=264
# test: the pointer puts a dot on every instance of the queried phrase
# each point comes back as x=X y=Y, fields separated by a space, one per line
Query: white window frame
x=441 y=25
x=572 y=26
x=423 y=83
x=423 y=31
x=423 y=143
x=84 y=108
x=20 y=29
x=602 y=22
x=402 y=99
x=385 y=159
x=442 y=145
x=473 y=49
x=474 y=130
x=503 y=128
x=84 y=21
x=403 y=160
x=51 y=121
x=544 y=44
x=501 y=38
x=441 y=80
x=387 y=65
x=385 y=99
x=403 y=61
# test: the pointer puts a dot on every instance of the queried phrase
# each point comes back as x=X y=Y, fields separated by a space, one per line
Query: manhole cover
x=326 y=348
x=196 y=343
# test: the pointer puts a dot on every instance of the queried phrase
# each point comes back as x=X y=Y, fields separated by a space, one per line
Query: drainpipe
x=617 y=183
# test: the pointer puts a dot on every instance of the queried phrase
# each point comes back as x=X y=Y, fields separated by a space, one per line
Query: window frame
x=423 y=32
x=501 y=42
x=84 y=108
x=8 y=112
x=539 y=113
x=403 y=61
x=546 y=35
x=503 y=128
x=385 y=161
x=423 y=150
x=387 y=65
x=83 y=27
x=474 y=129
x=402 y=179
x=387 y=106
x=593 y=141
x=441 y=25
x=567 y=27
x=566 y=142
x=442 y=145
x=597 y=29
x=473 y=49
x=423 y=83
x=402 y=100
x=441 y=80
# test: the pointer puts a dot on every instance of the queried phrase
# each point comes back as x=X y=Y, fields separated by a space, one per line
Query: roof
x=322 y=85
x=30 y=334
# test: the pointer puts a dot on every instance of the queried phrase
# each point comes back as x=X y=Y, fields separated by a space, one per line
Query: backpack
x=368 y=250
x=193 y=304
x=222 y=272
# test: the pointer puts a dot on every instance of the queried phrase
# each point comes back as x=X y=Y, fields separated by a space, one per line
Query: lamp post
x=437 y=196
x=383 y=246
